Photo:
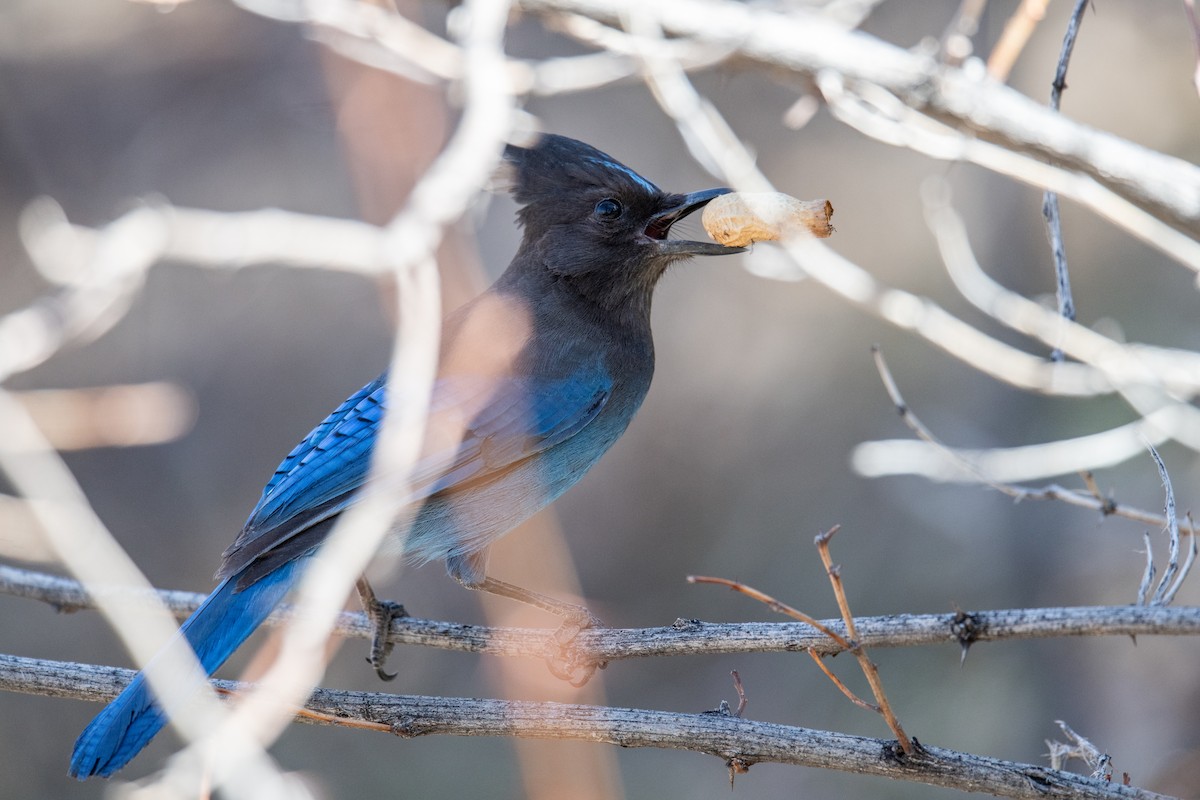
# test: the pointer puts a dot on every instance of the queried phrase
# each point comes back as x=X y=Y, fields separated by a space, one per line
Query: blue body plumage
x=537 y=378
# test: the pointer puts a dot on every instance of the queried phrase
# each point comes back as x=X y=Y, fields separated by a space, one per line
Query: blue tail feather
x=223 y=621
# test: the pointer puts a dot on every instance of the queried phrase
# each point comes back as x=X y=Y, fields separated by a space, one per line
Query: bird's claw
x=574 y=622
x=382 y=612
x=563 y=660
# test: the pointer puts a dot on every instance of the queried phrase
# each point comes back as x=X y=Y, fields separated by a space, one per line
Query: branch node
x=722 y=710
x=406 y=728
x=737 y=766
x=681 y=624
x=966 y=628
x=893 y=752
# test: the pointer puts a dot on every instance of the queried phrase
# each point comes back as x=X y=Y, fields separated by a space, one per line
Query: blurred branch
x=101 y=271
x=1138 y=372
x=956 y=45
x=713 y=143
x=1017 y=30
x=1174 y=370
x=119 y=415
x=1157 y=382
x=111 y=275
x=902 y=457
x=1189 y=6
x=684 y=637
x=1168 y=188
x=377 y=37
x=722 y=735
x=81 y=542
x=212 y=239
x=409 y=245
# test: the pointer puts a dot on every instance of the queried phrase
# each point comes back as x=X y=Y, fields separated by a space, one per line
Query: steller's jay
x=537 y=377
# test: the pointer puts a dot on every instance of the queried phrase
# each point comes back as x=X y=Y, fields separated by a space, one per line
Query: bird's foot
x=381 y=614
x=562 y=658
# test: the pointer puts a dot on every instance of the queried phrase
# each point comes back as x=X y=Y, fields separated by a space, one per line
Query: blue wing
x=519 y=418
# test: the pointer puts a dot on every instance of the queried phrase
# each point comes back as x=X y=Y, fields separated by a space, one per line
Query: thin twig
x=1064 y=56
x=1186 y=570
x=775 y=605
x=1084 y=750
x=741 y=693
x=842 y=687
x=1174 y=575
x=870 y=671
x=1107 y=504
x=1147 y=582
x=1062 y=277
x=1172 y=530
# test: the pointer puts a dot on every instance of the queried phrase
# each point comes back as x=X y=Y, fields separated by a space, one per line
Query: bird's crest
x=557 y=164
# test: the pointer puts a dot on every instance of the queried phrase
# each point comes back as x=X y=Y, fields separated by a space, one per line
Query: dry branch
x=693 y=637
x=723 y=735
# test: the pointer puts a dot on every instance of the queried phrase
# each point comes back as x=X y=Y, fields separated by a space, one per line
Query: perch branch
x=724 y=736
x=689 y=637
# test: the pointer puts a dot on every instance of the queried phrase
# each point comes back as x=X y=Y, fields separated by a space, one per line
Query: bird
x=537 y=377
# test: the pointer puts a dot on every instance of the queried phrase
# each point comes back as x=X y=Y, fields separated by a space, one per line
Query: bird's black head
x=595 y=224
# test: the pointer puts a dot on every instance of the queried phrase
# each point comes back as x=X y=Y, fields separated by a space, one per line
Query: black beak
x=660 y=226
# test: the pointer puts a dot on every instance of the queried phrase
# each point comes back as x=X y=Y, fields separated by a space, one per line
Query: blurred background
x=739 y=456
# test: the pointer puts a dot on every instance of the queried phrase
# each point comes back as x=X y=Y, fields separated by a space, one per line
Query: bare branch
x=1062 y=278
x=869 y=670
x=684 y=637
x=981 y=467
x=1147 y=582
x=724 y=736
x=1174 y=575
x=1017 y=30
x=1172 y=531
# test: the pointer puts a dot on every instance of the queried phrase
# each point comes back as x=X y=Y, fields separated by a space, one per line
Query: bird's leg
x=470 y=569
x=381 y=614
x=575 y=618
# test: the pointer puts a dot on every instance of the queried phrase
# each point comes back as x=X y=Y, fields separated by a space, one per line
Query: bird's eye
x=608 y=209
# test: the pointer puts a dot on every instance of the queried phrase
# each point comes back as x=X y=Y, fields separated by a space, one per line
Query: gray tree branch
x=692 y=637
x=740 y=743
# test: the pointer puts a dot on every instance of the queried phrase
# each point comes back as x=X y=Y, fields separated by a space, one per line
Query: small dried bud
x=739 y=218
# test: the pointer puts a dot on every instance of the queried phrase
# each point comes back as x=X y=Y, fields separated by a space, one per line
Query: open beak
x=660 y=226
